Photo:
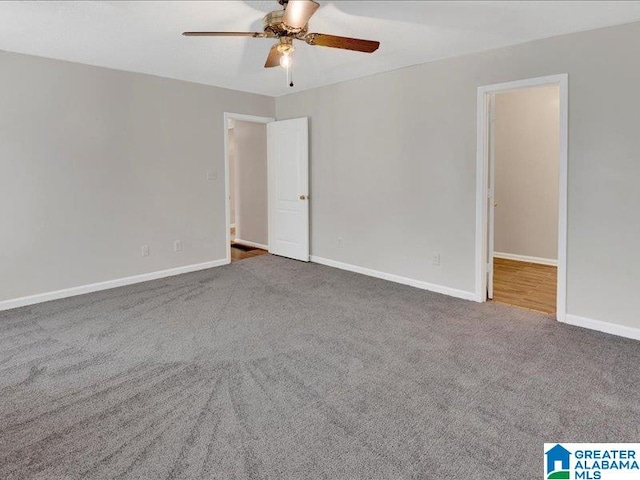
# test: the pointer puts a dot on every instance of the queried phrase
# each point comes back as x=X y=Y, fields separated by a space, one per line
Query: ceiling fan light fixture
x=285 y=47
x=285 y=60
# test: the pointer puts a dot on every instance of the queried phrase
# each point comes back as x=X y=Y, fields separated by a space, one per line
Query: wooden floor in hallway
x=523 y=284
x=239 y=252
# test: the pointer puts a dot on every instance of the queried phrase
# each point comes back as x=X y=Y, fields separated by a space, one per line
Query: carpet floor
x=275 y=369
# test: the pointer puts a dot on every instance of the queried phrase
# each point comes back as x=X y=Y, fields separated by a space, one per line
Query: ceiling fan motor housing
x=273 y=24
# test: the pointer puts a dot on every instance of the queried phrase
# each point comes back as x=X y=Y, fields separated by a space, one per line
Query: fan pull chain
x=290 y=75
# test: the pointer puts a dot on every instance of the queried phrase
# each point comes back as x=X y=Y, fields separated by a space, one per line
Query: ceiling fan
x=291 y=23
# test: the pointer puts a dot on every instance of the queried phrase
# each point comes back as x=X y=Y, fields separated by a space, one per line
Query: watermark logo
x=591 y=461
x=558 y=461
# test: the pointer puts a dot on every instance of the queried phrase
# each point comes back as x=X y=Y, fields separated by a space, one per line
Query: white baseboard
x=94 y=287
x=606 y=327
x=396 y=278
x=525 y=258
x=251 y=244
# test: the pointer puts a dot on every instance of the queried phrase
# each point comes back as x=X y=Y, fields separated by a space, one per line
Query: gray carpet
x=271 y=368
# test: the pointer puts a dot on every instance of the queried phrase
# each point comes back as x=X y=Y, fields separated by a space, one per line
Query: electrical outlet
x=177 y=246
x=145 y=250
x=212 y=175
x=340 y=242
x=436 y=259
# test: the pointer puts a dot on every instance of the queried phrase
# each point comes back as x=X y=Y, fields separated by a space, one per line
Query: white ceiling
x=144 y=36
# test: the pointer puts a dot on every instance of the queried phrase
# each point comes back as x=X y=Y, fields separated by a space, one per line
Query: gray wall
x=393 y=159
x=250 y=159
x=97 y=162
x=527 y=138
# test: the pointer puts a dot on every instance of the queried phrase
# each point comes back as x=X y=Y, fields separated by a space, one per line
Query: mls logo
x=558 y=463
x=592 y=461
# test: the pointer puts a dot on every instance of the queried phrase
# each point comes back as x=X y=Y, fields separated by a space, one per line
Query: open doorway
x=272 y=215
x=246 y=152
x=524 y=156
x=522 y=159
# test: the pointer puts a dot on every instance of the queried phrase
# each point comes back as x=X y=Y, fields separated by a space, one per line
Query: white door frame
x=482 y=180
x=227 y=200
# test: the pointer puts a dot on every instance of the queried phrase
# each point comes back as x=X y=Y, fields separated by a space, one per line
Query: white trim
x=606 y=327
x=247 y=118
x=490 y=155
x=561 y=304
x=227 y=206
x=453 y=292
x=95 y=287
x=525 y=258
x=562 y=81
x=251 y=244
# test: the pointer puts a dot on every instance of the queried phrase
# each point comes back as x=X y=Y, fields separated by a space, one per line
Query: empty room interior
x=336 y=239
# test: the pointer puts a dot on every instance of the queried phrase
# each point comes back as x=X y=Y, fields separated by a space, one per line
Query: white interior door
x=288 y=185
x=491 y=201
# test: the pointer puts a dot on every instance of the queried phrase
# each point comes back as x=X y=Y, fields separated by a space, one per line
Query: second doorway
x=248 y=201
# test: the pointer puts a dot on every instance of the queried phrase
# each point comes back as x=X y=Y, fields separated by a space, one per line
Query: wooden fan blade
x=224 y=34
x=298 y=12
x=346 y=43
x=273 y=59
